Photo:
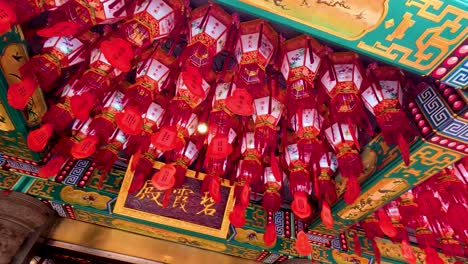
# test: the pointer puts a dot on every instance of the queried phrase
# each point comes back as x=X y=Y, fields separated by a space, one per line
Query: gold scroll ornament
x=349 y=19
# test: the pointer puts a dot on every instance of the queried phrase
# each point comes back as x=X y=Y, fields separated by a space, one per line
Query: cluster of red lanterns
x=435 y=212
x=140 y=79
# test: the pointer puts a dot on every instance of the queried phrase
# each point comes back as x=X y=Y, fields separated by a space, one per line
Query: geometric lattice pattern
x=77 y=172
x=458 y=77
x=433 y=107
x=279 y=223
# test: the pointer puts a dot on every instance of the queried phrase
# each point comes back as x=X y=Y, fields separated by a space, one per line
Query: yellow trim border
x=122 y=210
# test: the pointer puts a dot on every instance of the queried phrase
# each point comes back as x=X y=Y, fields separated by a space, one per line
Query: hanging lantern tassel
x=408 y=253
x=303 y=246
x=352 y=190
x=270 y=235
x=403 y=145
x=237 y=216
x=52 y=168
x=377 y=255
x=432 y=257
x=326 y=215
x=385 y=224
x=357 y=245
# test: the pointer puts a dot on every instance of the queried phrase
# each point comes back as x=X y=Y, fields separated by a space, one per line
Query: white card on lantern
x=155 y=70
x=214 y=27
x=191 y=151
x=167 y=24
x=334 y=135
x=231 y=135
x=115 y=101
x=249 y=42
x=333 y=165
x=159 y=9
x=357 y=78
x=315 y=65
x=310 y=117
x=370 y=96
x=68 y=46
x=155 y=113
x=292 y=153
x=121 y=137
x=195 y=27
x=285 y=68
x=268 y=175
x=110 y=7
x=80 y=126
x=238 y=50
x=329 y=84
x=266 y=48
x=221 y=43
x=261 y=106
x=296 y=58
x=344 y=72
x=68 y=89
x=248 y=142
x=142 y=7
x=276 y=109
x=390 y=89
x=192 y=124
x=222 y=90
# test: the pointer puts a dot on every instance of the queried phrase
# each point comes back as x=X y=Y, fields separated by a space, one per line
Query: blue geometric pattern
x=435 y=110
x=457 y=129
x=335 y=243
x=319 y=239
x=2 y=160
x=23 y=166
x=279 y=223
x=59 y=209
x=271 y=258
x=77 y=172
x=440 y=116
x=458 y=77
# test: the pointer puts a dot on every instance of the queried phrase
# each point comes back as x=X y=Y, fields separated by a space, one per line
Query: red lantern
x=254 y=50
x=152 y=20
x=299 y=182
x=59 y=53
x=341 y=82
x=268 y=112
x=307 y=123
x=384 y=98
x=210 y=29
x=300 y=64
x=343 y=138
x=326 y=190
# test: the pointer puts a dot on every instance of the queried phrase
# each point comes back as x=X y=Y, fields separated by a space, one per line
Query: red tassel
x=408 y=253
x=245 y=195
x=350 y=164
x=303 y=246
x=326 y=215
x=352 y=190
x=135 y=160
x=404 y=149
x=37 y=139
x=166 y=198
x=237 y=216
x=269 y=238
x=52 y=168
x=377 y=255
x=81 y=105
x=432 y=257
x=357 y=245
x=385 y=224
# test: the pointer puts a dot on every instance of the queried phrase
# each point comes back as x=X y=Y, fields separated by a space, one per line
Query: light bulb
x=202 y=128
